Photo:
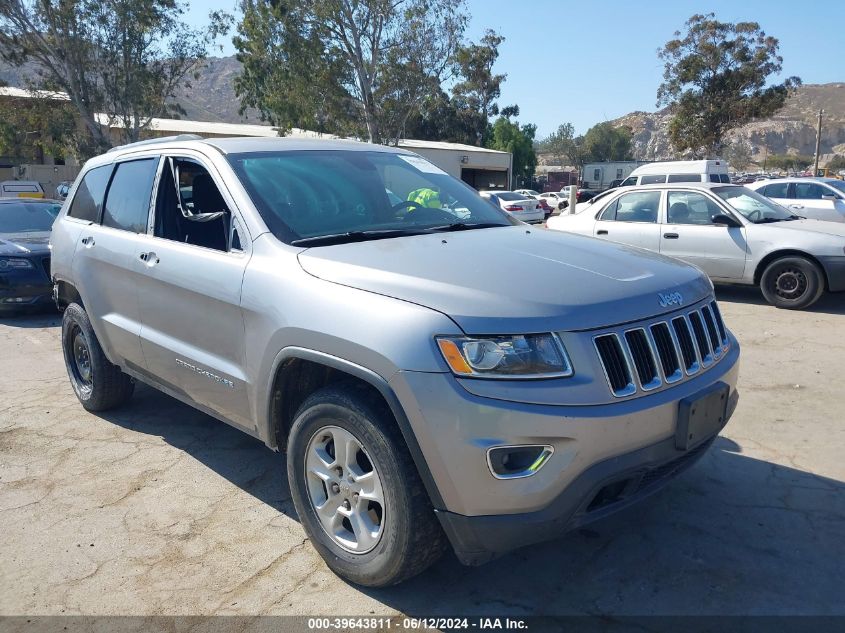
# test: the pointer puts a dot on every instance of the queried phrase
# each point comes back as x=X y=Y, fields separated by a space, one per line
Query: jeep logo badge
x=673 y=298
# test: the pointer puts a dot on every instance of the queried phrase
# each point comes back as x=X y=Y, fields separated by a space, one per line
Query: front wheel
x=357 y=491
x=98 y=383
x=792 y=282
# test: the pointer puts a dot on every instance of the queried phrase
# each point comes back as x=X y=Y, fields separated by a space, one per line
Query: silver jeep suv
x=436 y=371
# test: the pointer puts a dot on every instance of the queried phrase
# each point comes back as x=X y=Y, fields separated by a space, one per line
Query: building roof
x=410 y=143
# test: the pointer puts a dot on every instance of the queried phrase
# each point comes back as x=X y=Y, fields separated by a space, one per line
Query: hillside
x=792 y=130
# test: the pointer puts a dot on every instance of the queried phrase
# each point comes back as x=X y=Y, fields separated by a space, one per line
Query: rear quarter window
x=88 y=201
x=687 y=178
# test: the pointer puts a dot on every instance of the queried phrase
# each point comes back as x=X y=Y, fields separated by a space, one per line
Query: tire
x=792 y=282
x=98 y=383
x=401 y=536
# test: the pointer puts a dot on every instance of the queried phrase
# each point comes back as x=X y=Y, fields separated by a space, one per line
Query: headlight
x=7 y=263
x=520 y=356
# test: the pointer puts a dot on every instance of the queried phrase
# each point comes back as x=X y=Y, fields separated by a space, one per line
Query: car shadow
x=830 y=303
x=734 y=535
x=47 y=317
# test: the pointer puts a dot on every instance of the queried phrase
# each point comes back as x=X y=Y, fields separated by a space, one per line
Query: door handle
x=150 y=258
x=88 y=241
x=671 y=236
x=796 y=206
x=601 y=232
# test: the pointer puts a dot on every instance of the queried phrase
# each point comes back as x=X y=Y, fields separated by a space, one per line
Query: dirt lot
x=158 y=509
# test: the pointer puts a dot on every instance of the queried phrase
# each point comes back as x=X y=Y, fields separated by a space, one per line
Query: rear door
x=689 y=233
x=105 y=264
x=631 y=218
x=814 y=200
x=193 y=265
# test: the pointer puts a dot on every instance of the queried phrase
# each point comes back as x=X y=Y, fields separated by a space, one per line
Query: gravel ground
x=157 y=509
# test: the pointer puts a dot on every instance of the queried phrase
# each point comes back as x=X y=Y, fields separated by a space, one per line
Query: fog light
x=514 y=462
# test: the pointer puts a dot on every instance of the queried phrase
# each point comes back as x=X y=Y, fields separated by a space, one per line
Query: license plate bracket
x=701 y=415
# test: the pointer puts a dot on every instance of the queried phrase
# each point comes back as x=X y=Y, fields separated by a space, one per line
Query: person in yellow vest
x=425 y=197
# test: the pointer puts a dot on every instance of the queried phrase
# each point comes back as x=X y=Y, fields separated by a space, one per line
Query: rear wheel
x=792 y=282
x=98 y=383
x=357 y=491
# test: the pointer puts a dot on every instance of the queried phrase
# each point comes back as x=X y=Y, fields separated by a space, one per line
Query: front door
x=690 y=234
x=631 y=219
x=193 y=330
x=815 y=201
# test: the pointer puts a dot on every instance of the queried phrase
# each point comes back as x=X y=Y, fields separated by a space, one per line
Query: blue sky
x=586 y=62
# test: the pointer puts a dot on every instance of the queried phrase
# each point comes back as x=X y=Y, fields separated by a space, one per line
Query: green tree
x=347 y=66
x=510 y=136
x=788 y=161
x=475 y=94
x=121 y=58
x=39 y=125
x=604 y=142
x=716 y=78
x=837 y=162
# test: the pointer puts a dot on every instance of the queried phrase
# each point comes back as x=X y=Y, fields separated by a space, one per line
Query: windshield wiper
x=463 y=226
x=354 y=236
x=772 y=220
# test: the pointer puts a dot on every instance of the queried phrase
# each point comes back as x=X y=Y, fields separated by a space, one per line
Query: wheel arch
x=299 y=372
x=787 y=252
x=65 y=294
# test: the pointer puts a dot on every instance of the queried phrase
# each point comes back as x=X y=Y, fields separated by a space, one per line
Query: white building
x=600 y=175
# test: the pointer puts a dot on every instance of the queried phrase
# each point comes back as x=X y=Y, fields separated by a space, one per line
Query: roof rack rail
x=154 y=141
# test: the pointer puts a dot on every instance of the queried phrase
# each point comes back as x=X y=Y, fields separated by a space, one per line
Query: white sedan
x=815 y=198
x=520 y=207
x=733 y=234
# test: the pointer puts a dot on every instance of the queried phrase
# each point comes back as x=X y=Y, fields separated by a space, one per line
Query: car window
x=838 y=184
x=652 y=179
x=128 y=199
x=776 y=190
x=686 y=178
x=690 y=207
x=724 y=178
x=24 y=217
x=318 y=193
x=637 y=206
x=194 y=212
x=752 y=205
x=88 y=201
x=629 y=181
x=809 y=191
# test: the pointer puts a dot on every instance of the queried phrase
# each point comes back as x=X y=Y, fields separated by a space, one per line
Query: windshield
x=752 y=205
x=303 y=195
x=26 y=217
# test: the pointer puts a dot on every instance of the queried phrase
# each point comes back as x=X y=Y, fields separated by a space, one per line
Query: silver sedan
x=732 y=233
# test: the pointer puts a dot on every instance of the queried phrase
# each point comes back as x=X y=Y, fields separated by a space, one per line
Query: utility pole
x=818 y=144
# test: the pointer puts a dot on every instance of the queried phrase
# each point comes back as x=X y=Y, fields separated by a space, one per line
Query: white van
x=21 y=189
x=679 y=171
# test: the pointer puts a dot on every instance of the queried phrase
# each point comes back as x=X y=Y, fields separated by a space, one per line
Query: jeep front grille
x=653 y=355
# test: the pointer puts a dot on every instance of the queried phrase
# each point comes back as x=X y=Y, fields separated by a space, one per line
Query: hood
x=815 y=226
x=512 y=279
x=24 y=243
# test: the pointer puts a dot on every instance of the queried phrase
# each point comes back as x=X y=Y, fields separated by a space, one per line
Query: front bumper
x=834 y=268
x=26 y=288
x=628 y=445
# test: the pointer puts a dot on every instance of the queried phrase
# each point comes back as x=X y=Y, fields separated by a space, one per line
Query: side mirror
x=829 y=196
x=722 y=219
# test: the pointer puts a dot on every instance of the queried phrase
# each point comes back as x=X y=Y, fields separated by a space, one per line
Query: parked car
x=732 y=233
x=520 y=207
x=554 y=199
x=24 y=256
x=544 y=205
x=675 y=171
x=529 y=193
x=431 y=380
x=21 y=189
x=581 y=194
x=815 y=198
